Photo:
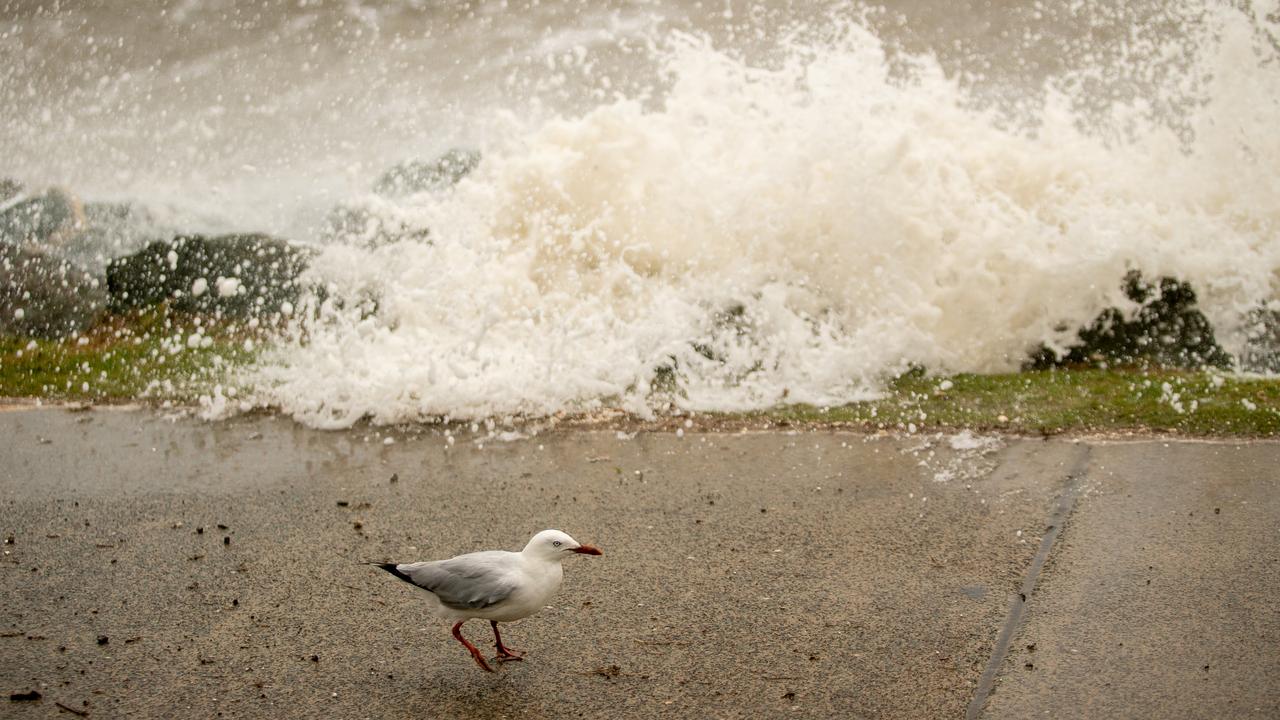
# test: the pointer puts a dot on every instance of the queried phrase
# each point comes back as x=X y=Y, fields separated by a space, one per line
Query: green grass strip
x=1056 y=401
x=152 y=356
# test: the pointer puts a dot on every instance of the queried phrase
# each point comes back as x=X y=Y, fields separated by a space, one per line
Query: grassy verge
x=162 y=356
x=154 y=355
x=1056 y=401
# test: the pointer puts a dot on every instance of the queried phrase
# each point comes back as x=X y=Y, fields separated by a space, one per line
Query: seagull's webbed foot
x=505 y=654
x=475 y=654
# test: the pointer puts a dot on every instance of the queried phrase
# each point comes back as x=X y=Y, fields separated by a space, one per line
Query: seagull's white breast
x=537 y=584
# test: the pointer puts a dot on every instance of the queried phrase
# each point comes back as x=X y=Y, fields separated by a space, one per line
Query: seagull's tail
x=391 y=568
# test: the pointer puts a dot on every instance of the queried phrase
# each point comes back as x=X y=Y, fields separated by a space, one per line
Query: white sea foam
x=795 y=233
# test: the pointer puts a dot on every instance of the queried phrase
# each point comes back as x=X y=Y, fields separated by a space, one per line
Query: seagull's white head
x=556 y=546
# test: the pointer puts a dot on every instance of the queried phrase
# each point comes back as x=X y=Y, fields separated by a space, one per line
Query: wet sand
x=173 y=568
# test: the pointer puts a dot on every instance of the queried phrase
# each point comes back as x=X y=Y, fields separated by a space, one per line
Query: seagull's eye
x=556 y=543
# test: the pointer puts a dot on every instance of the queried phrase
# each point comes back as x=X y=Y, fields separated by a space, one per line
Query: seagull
x=493 y=585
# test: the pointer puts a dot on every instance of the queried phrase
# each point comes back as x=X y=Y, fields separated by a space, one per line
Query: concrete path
x=158 y=568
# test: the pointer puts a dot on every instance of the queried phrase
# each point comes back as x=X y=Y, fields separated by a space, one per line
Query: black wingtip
x=391 y=568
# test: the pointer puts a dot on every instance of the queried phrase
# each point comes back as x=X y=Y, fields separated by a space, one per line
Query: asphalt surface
x=165 y=568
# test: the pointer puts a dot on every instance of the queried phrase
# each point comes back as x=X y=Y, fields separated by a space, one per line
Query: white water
x=800 y=225
x=861 y=220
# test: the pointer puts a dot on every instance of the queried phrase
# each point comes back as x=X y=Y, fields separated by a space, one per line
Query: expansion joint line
x=1018 y=605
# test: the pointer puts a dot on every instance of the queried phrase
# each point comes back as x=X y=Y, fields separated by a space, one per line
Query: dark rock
x=9 y=188
x=1262 y=348
x=45 y=296
x=53 y=256
x=378 y=220
x=29 y=696
x=46 y=220
x=112 y=230
x=1167 y=330
x=87 y=234
x=415 y=176
x=370 y=225
x=231 y=275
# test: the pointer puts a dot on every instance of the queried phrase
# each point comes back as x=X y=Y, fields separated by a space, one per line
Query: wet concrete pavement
x=162 y=568
x=1163 y=594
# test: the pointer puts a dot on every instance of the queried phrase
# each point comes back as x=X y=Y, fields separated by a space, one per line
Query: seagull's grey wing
x=467 y=582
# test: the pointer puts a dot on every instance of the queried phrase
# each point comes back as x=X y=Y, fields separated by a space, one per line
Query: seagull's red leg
x=504 y=653
x=475 y=654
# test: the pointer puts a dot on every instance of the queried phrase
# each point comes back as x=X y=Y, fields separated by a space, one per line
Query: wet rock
x=371 y=223
x=43 y=295
x=230 y=275
x=1166 y=330
x=45 y=220
x=415 y=176
x=53 y=256
x=88 y=234
x=112 y=230
x=379 y=219
x=1262 y=349
x=9 y=188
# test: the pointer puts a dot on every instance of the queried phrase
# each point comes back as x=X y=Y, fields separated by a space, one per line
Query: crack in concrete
x=1017 y=606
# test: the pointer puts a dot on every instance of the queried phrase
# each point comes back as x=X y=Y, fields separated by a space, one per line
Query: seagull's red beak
x=588 y=550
